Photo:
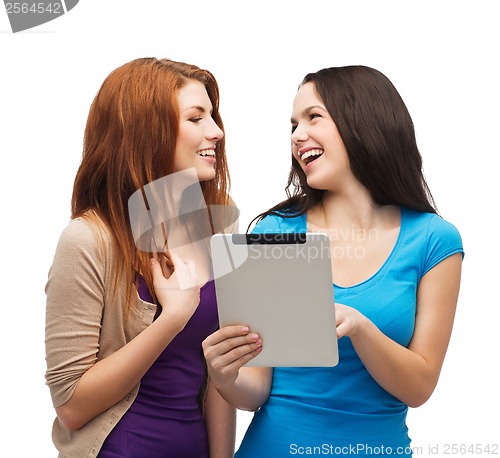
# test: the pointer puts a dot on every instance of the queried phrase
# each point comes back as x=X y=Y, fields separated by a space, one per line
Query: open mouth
x=209 y=152
x=311 y=155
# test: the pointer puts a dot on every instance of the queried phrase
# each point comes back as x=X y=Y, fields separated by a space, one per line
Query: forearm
x=411 y=374
x=401 y=372
x=220 y=421
x=112 y=378
x=250 y=389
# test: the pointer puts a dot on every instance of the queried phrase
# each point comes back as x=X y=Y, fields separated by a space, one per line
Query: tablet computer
x=280 y=286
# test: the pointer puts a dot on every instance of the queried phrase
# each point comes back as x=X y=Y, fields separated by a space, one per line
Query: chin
x=206 y=175
x=316 y=183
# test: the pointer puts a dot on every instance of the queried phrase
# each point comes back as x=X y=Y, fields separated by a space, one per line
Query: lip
x=209 y=159
x=310 y=164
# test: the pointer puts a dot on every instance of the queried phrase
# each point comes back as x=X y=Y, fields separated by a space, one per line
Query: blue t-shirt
x=342 y=410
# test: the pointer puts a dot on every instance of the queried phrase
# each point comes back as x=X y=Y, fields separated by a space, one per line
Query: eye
x=196 y=119
x=314 y=116
x=294 y=126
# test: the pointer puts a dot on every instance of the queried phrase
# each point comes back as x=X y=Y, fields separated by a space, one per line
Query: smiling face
x=198 y=133
x=316 y=142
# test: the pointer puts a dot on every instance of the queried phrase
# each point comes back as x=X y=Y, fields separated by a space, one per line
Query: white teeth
x=312 y=152
x=206 y=152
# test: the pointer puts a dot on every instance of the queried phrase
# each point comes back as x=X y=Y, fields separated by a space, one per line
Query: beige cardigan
x=83 y=325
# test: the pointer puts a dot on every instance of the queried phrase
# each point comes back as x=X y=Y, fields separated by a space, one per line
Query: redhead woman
x=124 y=325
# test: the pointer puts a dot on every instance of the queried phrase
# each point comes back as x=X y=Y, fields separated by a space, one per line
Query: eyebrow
x=199 y=108
x=309 y=109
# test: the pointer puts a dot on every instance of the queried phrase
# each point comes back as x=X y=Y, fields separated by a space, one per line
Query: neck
x=353 y=218
x=352 y=208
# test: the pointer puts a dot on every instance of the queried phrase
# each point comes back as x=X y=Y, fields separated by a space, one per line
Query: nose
x=214 y=132
x=299 y=135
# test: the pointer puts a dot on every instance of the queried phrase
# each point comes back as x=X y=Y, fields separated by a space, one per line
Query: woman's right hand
x=227 y=351
x=179 y=294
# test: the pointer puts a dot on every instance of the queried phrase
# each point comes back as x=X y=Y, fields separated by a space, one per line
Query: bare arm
x=220 y=421
x=227 y=351
x=410 y=374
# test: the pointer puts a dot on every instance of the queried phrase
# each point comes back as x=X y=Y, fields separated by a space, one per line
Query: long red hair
x=129 y=141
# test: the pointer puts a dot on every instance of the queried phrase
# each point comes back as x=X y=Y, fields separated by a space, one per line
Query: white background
x=441 y=55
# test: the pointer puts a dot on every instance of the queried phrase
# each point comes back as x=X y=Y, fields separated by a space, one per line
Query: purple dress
x=165 y=420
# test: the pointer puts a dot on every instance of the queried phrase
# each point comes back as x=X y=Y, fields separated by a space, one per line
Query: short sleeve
x=443 y=240
x=268 y=225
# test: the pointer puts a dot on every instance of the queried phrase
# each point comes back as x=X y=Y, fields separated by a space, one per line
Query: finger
x=180 y=267
x=187 y=277
x=177 y=261
x=342 y=329
x=221 y=350
x=185 y=272
x=166 y=266
x=155 y=269
x=224 y=333
x=239 y=355
x=191 y=265
x=235 y=343
x=168 y=259
x=237 y=364
x=242 y=344
x=182 y=272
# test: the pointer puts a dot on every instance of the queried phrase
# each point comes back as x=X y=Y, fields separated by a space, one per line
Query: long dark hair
x=379 y=137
